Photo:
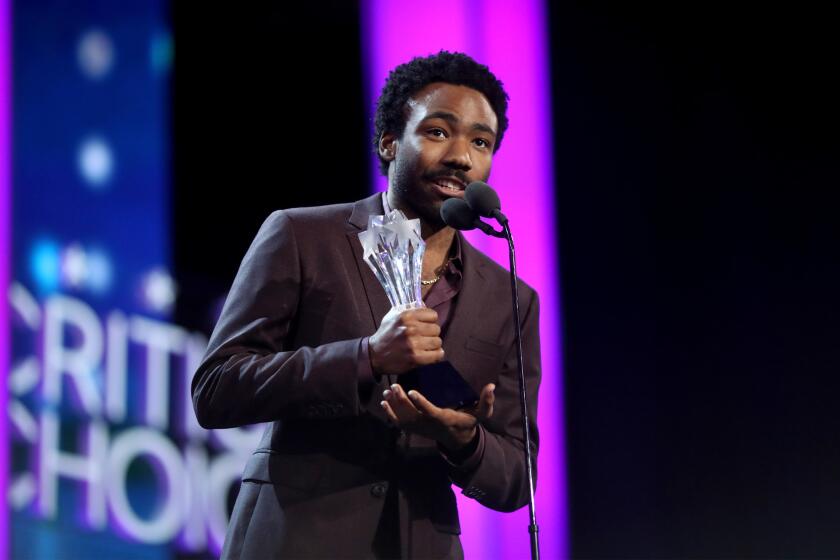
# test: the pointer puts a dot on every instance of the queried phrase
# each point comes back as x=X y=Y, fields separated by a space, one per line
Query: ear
x=388 y=146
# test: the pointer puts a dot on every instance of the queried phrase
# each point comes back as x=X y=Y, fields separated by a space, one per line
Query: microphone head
x=482 y=199
x=457 y=214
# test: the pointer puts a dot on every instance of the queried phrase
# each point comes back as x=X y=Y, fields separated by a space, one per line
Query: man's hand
x=405 y=340
x=453 y=429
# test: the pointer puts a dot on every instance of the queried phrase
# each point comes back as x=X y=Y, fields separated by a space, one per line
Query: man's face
x=448 y=143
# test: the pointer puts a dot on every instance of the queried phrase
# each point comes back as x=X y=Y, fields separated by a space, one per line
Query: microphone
x=484 y=201
x=457 y=214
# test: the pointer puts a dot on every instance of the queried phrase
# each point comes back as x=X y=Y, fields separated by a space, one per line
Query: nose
x=458 y=155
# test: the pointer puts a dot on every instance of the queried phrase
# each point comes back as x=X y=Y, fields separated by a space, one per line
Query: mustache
x=444 y=173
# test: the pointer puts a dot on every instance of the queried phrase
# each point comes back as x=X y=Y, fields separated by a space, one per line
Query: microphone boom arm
x=488 y=229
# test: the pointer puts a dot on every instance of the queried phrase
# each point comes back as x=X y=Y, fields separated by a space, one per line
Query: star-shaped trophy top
x=393 y=249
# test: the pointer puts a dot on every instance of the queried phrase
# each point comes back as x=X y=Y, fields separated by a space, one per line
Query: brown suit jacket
x=286 y=351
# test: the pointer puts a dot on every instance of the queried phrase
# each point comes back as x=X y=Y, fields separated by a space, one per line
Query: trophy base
x=441 y=384
x=407 y=306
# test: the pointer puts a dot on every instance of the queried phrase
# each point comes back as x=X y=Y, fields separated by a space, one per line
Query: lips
x=449 y=186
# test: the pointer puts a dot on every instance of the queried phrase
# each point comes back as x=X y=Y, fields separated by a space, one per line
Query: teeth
x=449 y=185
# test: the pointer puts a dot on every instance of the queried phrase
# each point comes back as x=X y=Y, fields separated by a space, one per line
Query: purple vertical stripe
x=5 y=257
x=510 y=38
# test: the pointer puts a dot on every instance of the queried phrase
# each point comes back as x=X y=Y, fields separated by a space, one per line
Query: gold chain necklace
x=441 y=268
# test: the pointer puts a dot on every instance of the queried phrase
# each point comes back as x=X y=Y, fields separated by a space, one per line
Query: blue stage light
x=159 y=291
x=74 y=266
x=160 y=52
x=96 y=162
x=99 y=271
x=45 y=265
x=95 y=54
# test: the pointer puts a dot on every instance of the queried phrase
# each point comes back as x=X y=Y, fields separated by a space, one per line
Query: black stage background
x=696 y=168
x=269 y=113
x=696 y=178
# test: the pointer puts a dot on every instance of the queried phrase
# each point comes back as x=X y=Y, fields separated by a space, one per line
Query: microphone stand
x=457 y=213
x=533 y=528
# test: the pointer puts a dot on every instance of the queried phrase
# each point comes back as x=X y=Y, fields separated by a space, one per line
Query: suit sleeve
x=495 y=472
x=249 y=374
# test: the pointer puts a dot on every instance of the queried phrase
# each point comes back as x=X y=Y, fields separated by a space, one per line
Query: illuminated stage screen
x=107 y=460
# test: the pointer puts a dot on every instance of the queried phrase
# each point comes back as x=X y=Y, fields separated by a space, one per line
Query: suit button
x=473 y=492
x=379 y=490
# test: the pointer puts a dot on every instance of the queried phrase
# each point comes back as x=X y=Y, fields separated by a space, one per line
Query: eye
x=437 y=132
x=482 y=143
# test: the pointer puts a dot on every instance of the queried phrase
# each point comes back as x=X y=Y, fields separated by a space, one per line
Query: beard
x=413 y=195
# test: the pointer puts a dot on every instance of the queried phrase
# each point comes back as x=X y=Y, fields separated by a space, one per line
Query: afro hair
x=452 y=68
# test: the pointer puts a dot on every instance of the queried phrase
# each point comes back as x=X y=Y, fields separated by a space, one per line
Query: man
x=353 y=463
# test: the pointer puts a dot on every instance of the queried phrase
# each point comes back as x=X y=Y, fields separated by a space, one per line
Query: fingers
x=390 y=413
x=486 y=401
x=425 y=349
x=403 y=408
x=413 y=322
x=423 y=404
x=405 y=340
x=404 y=412
x=422 y=315
x=427 y=343
x=415 y=413
x=429 y=357
x=413 y=327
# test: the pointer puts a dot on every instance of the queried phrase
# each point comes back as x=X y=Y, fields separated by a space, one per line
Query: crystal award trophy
x=393 y=249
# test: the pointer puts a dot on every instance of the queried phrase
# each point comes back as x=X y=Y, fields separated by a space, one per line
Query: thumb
x=485 y=403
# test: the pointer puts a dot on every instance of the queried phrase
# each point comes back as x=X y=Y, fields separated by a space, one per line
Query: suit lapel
x=467 y=312
x=376 y=297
